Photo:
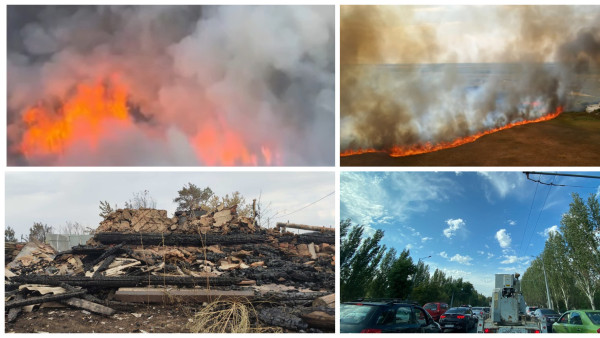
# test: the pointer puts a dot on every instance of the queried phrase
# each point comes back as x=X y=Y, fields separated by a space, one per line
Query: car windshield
x=531 y=309
x=548 y=312
x=594 y=316
x=457 y=310
x=354 y=314
x=430 y=306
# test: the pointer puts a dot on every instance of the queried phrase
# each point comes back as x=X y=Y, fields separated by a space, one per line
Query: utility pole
x=546 y=281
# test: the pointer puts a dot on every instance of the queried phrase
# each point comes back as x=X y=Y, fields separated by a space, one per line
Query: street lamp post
x=546 y=281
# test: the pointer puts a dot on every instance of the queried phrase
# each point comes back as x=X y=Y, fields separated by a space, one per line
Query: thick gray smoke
x=412 y=75
x=206 y=85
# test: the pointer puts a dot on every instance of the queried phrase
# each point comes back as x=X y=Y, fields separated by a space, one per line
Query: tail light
x=598 y=330
x=486 y=330
x=537 y=331
x=371 y=331
x=460 y=317
x=442 y=316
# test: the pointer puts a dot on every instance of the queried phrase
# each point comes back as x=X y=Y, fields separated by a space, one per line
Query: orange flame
x=415 y=149
x=79 y=118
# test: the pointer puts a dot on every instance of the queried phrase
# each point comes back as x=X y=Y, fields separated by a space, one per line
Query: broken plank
x=166 y=296
x=325 y=301
x=90 y=306
x=14 y=312
x=42 y=299
x=116 y=270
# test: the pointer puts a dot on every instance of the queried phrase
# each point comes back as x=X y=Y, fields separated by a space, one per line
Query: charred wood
x=177 y=239
x=125 y=281
x=43 y=299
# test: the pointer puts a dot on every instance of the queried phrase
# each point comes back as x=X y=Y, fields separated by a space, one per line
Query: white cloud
x=444 y=254
x=425 y=239
x=409 y=246
x=480 y=252
x=466 y=260
x=503 y=182
x=514 y=259
x=511 y=222
x=454 y=225
x=490 y=255
x=509 y=269
x=551 y=230
x=503 y=238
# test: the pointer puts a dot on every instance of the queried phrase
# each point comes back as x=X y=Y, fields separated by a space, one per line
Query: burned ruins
x=198 y=271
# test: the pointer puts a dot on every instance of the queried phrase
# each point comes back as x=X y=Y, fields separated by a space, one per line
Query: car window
x=546 y=312
x=457 y=310
x=431 y=306
x=594 y=317
x=575 y=319
x=444 y=306
x=564 y=319
x=354 y=314
x=420 y=316
x=385 y=318
x=402 y=315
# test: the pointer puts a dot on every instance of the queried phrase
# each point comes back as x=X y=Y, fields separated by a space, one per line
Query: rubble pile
x=142 y=256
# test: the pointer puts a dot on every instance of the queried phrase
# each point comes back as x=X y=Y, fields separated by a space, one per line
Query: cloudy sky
x=54 y=198
x=473 y=225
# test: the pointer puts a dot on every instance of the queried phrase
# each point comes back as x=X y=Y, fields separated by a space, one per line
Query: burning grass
x=416 y=149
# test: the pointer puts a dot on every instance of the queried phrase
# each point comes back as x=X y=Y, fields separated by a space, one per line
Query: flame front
x=78 y=119
x=415 y=149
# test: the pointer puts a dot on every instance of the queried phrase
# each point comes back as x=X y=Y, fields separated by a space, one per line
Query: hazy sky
x=57 y=197
x=473 y=225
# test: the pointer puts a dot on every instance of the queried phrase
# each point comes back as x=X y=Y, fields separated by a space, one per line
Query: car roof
x=377 y=303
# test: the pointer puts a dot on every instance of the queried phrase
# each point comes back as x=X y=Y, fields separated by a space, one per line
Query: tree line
x=571 y=260
x=369 y=269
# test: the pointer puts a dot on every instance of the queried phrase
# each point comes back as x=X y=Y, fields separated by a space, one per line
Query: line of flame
x=415 y=149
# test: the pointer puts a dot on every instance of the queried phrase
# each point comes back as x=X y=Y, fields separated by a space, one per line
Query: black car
x=547 y=315
x=385 y=316
x=458 y=318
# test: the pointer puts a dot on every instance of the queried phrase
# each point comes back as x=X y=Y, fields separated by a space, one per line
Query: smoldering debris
x=416 y=75
x=198 y=85
x=188 y=260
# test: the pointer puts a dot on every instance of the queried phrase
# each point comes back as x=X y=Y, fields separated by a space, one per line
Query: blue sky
x=472 y=224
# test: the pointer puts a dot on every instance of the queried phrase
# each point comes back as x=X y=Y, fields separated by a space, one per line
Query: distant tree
x=105 y=209
x=380 y=286
x=39 y=232
x=140 y=200
x=9 y=234
x=244 y=209
x=75 y=228
x=191 y=197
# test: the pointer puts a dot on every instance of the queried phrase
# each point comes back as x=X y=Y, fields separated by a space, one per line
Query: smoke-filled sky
x=54 y=198
x=417 y=74
x=171 y=85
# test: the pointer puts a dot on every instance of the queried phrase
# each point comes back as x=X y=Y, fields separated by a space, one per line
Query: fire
x=415 y=149
x=51 y=129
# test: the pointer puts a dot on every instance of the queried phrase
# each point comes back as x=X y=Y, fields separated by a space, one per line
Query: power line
x=539 y=215
x=306 y=206
x=529 y=215
x=558 y=174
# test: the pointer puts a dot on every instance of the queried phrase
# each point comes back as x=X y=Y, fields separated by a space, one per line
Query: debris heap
x=142 y=256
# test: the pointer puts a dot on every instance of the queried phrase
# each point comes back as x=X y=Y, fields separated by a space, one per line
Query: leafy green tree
x=39 y=231
x=243 y=208
x=380 y=286
x=191 y=197
x=9 y=234
x=359 y=262
x=579 y=226
x=401 y=274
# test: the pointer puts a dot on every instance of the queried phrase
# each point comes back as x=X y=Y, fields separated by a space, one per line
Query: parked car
x=436 y=309
x=578 y=321
x=530 y=309
x=548 y=316
x=385 y=316
x=458 y=318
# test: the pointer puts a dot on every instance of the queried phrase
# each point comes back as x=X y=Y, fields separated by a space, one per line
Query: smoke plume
x=413 y=75
x=170 y=85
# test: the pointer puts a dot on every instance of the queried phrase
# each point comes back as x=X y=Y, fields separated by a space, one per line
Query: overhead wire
x=306 y=206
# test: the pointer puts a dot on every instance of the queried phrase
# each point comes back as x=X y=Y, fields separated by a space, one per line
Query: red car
x=436 y=310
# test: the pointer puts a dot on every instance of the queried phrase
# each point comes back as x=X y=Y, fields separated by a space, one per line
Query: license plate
x=511 y=330
x=450 y=325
